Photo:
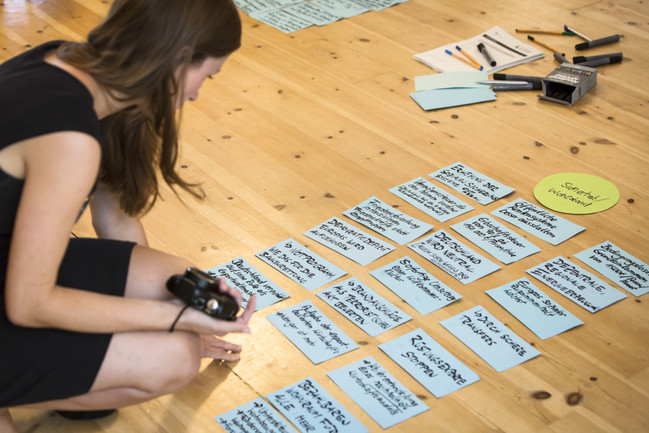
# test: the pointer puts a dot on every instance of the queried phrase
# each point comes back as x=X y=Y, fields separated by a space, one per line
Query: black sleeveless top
x=36 y=98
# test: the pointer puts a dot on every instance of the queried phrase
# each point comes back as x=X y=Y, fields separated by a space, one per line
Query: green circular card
x=576 y=193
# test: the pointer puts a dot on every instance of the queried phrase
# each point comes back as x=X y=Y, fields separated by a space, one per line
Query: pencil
x=463 y=59
x=531 y=38
x=545 y=32
x=474 y=61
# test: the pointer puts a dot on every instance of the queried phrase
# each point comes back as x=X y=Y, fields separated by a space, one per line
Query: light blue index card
x=254 y=417
x=576 y=284
x=311 y=12
x=448 y=80
x=534 y=309
x=453 y=257
x=349 y=241
x=363 y=306
x=312 y=332
x=490 y=339
x=300 y=264
x=431 y=199
x=617 y=265
x=537 y=221
x=471 y=183
x=388 y=221
x=443 y=98
x=412 y=283
x=243 y=276
x=429 y=363
x=313 y=410
x=504 y=244
x=377 y=392
x=341 y=8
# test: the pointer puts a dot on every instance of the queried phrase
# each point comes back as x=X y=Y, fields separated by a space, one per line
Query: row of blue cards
x=292 y=15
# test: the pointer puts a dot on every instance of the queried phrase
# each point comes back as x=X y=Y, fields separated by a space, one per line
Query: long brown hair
x=135 y=53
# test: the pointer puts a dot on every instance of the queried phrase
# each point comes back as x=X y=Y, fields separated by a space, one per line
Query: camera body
x=201 y=291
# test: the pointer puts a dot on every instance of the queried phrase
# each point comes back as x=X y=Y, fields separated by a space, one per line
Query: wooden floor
x=298 y=128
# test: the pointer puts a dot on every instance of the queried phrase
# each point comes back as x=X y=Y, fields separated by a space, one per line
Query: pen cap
x=597 y=42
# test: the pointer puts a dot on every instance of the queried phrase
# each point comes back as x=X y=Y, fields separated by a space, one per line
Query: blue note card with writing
x=254 y=416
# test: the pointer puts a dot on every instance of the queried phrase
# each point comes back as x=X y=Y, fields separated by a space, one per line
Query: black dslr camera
x=201 y=291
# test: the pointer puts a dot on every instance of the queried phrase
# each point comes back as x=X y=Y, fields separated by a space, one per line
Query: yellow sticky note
x=576 y=193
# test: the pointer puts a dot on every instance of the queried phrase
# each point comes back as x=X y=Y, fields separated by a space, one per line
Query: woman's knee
x=149 y=271
x=184 y=361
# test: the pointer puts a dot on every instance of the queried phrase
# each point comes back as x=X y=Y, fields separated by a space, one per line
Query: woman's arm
x=110 y=221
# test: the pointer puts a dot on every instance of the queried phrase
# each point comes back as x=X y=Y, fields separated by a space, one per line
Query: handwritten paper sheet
x=313 y=410
x=300 y=264
x=576 y=284
x=431 y=199
x=453 y=257
x=363 y=306
x=254 y=417
x=429 y=363
x=496 y=239
x=281 y=20
x=341 y=8
x=490 y=339
x=312 y=13
x=312 y=332
x=534 y=309
x=349 y=241
x=242 y=275
x=618 y=266
x=420 y=289
x=377 y=392
x=384 y=219
x=537 y=221
x=471 y=183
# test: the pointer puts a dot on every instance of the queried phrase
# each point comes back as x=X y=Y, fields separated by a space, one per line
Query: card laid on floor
x=313 y=410
x=301 y=264
x=412 y=283
x=312 y=332
x=363 y=306
x=453 y=257
x=254 y=417
x=431 y=199
x=537 y=221
x=534 y=309
x=388 y=221
x=490 y=339
x=617 y=265
x=242 y=275
x=436 y=99
x=471 y=183
x=377 y=392
x=427 y=361
x=349 y=241
x=504 y=244
x=576 y=284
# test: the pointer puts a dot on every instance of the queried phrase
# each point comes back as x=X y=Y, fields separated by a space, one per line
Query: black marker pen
x=597 y=42
x=483 y=50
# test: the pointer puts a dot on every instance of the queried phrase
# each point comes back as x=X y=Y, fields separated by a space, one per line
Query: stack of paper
x=451 y=89
x=505 y=49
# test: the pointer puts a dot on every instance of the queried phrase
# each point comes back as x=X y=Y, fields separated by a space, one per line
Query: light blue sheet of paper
x=254 y=417
x=444 y=98
x=617 y=265
x=388 y=221
x=378 y=5
x=312 y=13
x=300 y=264
x=537 y=221
x=377 y=392
x=281 y=20
x=490 y=339
x=313 y=410
x=251 y=7
x=363 y=306
x=349 y=241
x=471 y=183
x=243 y=276
x=449 y=80
x=429 y=363
x=576 y=284
x=496 y=239
x=312 y=332
x=534 y=309
x=412 y=283
x=341 y=8
x=453 y=257
x=431 y=199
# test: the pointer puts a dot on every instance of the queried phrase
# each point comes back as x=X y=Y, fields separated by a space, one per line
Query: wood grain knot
x=541 y=395
x=574 y=398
